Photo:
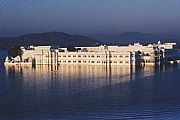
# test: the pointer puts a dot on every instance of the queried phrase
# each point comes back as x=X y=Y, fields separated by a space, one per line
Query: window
x=115 y=55
x=115 y=61
x=92 y=55
x=84 y=61
x=74 y=55
x=127 y=62
x=120 y=56
x=126 y=56
x=74 y=61
x=69 y=61
x=79 y=55
x=148 y=61
x=98 y=56
x=84 y=56
x=69 y=55
x=92 y=61
x=120 y=61
x=79 y=61
x=64 y=55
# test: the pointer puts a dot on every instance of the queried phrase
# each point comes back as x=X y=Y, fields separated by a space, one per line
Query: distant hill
x=49 y=38
x=63 y=39
x=132 y=37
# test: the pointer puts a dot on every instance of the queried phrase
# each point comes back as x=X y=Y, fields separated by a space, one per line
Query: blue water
x=89 y=92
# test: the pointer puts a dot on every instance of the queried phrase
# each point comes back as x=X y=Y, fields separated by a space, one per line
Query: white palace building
x=135 y=54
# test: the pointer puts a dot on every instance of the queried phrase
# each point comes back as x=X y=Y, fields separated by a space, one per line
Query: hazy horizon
x=87 y=17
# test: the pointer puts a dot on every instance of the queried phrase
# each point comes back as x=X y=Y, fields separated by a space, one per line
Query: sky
x=89 y=16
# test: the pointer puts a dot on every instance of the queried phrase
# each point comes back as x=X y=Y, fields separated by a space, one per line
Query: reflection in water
x=71 y=77
x=80 y=77
x=46 y=91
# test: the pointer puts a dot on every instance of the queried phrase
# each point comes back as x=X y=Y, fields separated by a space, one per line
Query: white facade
x=95 y=58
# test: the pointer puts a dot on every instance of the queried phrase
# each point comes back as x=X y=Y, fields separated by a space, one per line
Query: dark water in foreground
x=89 y=92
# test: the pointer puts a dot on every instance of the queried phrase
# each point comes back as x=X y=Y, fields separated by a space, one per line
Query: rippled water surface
x=89 y=92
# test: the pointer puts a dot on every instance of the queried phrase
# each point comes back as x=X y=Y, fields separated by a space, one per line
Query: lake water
x=89 y=92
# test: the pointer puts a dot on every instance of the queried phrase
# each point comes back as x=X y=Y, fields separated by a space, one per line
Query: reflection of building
x=135 y=54
x=70 y=76
x=76 y=77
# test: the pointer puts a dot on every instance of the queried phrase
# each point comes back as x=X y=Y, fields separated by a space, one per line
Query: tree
x=14 y=52
x=71 y=48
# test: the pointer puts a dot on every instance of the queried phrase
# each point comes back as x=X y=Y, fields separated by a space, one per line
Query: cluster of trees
x=14 y=52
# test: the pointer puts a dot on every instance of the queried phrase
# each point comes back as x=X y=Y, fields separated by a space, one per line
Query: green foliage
x=71 y=48
x=14 y=52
